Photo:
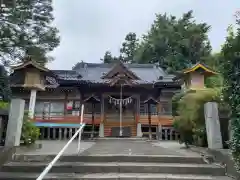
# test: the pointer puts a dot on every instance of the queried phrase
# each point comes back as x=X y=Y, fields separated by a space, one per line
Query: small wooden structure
x=149 y=102
x=194 y=77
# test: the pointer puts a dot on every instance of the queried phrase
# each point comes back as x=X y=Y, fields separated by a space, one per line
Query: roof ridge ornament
x=52 y=82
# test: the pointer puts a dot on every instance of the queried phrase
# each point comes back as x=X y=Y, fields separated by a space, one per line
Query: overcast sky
x=88 y=28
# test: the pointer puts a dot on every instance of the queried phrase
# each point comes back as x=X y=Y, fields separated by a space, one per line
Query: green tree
x=129 y=47
x=109 y=58
x=5 y=90
x=174 y=43
x=26 y=29
x=231 y=74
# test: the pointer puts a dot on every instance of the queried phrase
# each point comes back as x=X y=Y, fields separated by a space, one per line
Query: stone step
x=117 y=167
x=110 y=176
x=112 y=158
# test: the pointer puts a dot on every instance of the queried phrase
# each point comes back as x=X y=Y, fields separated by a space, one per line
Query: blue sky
x=88 y=28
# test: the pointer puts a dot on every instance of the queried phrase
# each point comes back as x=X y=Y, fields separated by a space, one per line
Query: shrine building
x=118 y=98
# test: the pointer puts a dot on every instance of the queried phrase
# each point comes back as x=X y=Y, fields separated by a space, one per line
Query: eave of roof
x=30 y=62
x=197 y=66
x=91 y=73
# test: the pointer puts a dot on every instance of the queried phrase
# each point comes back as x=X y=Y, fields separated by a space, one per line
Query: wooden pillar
x=93 y=117
x=139 y=126
x=32 y=103
x=159 y=128
x=149 y=120
x=159 y=111
x=102 y=108
x=101 y=128
x=81 y=102
x=65 y=102
x=137 y=108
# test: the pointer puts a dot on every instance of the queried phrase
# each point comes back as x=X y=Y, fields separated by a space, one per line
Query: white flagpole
x=120 y=132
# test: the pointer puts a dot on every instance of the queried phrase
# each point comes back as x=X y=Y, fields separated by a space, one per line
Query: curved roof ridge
x=108 y=65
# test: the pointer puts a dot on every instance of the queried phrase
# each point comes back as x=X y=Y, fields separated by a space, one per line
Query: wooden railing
x=67 y=119
x=166 y=133
x=70 y=119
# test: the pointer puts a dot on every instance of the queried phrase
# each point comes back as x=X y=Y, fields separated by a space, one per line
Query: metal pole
x=51 y=164
x=120 y=132
x=80 y=132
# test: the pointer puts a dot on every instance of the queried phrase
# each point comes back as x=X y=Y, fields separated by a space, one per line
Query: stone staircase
x=112 y=167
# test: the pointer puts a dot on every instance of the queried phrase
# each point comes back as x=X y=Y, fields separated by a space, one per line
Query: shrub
x=175 y=100
x=184 y=128
x=30 y=133
x=191 y=121
x=214 y=81
x=4 y=105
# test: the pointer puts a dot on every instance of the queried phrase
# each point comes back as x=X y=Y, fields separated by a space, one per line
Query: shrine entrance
x=120 y=76
x=120 y=115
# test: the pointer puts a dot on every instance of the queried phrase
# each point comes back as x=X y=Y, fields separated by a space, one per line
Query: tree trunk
x=149 y=121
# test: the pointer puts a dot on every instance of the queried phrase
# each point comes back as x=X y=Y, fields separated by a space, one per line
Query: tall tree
x=5 y=90
x=231 y=71
x=129 y=47
x=109 y=58
x=174 y=43
x=26 y=29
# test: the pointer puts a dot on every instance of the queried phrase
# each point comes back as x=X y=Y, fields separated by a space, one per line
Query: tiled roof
x=68 y=75
x=93 y=72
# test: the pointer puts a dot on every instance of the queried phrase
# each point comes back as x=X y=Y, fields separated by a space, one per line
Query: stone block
x=15 y=121
x=214 y=136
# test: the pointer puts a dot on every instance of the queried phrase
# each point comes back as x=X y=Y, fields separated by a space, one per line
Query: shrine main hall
x=118 y=98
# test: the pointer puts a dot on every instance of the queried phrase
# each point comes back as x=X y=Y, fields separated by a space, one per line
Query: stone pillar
x=32 y=103
x=15 y=121
x=214 y=136
x=139 y=130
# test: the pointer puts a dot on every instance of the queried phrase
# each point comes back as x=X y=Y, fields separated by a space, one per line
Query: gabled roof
x=199 y=66
x=92 y=99
x=118 y=68
x=147 y=73
x=29 y=62
x=150 y=100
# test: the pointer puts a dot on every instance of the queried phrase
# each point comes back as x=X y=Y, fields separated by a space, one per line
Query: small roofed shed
x=194 y=77
x=34 y=77
x=29 y=75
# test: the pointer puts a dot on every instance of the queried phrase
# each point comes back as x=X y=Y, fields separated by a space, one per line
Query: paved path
x=133 y=147
x=118 y=146
x=53 y=147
